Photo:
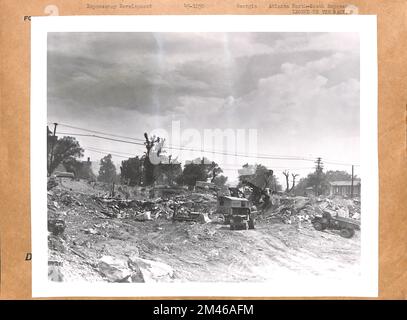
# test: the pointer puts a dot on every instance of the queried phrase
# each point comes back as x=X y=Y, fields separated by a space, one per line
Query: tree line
x=140 y=171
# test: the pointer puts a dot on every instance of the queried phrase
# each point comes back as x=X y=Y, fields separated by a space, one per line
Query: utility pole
x=318 y=170
x=351 y=187
x=52 y=149
x=112 y=191
x=319 y=164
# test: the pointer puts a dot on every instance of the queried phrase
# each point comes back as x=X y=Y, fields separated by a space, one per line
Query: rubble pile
x=61 y=202
x=297 y=209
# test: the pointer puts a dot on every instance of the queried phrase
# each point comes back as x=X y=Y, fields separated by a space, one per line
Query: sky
x=280 y=96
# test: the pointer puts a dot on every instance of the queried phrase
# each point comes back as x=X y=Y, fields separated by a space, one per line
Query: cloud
x=300 y=90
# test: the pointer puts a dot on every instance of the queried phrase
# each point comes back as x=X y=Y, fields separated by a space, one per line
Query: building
x=344 y=188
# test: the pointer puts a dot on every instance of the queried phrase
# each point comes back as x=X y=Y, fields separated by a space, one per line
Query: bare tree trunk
x=294 y=176
x=287 y=174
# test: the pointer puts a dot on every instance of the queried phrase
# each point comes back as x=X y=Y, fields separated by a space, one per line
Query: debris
x=91 y=231
x=298 y=209
x=51 y=183
x=152 y=271
x=56 y=226
x=176 y=236
x=55 y=274
x=114 y=269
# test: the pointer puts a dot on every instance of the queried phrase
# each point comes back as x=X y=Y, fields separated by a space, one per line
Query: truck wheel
x=318 y=226
x=232 y=227
x=347 y=233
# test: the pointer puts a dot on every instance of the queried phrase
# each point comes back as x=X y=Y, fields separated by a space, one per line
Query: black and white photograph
x=189 y=158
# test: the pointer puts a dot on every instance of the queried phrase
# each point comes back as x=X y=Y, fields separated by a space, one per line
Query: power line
x=100 y=137
x=169 y=146
x=100 y=132
x=191 y=149
x=113 y=154
x=109 y=151
x=224 y=167
x=173 y=146
x=257 y=156
x=229 y=166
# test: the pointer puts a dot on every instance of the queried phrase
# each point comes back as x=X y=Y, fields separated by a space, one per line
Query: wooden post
x=52 y=149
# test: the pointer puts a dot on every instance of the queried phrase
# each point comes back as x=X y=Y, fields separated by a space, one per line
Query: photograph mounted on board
x=205 y=157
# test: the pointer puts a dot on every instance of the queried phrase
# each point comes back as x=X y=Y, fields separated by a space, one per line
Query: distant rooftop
x=345 y=183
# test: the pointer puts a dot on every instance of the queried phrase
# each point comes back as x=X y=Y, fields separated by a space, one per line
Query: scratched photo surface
x=203 y=157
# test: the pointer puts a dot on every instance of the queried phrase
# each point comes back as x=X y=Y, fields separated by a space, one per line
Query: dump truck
x=345 y=226
x=242 y=219
x=237 y=212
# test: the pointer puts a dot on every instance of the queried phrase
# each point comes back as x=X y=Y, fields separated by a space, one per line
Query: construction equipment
x=236 y=212
x=227 y=204
x=346 y=226
x=259 y=195
x=242 y=218
x=260 y=185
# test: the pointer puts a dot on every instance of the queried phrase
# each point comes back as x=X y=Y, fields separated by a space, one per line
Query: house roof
x=344 y=183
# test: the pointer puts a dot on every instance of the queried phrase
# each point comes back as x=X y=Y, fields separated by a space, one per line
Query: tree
x=287 y=175
x=107 y=171
x=131 y=171
x=220 y=180
x=73 y=165
x=215 y=171
x=65 y=149
x=319 y=181
x=199 y=169
x=192 y=173
x=167 y=171
x=338 y=176
x=300 y=188
x=294 y=175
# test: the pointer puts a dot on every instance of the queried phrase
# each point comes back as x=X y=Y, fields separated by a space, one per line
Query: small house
x=344 y=188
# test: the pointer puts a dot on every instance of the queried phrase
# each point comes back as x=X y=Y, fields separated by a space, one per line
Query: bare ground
x=205 y=252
